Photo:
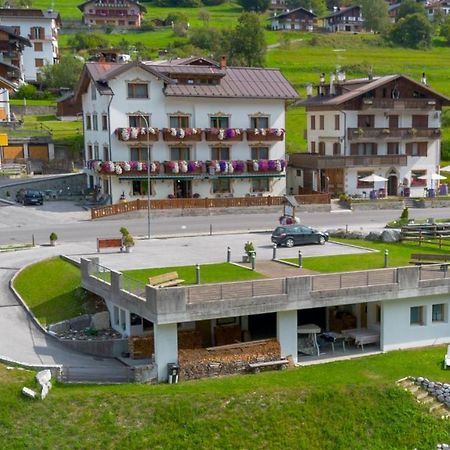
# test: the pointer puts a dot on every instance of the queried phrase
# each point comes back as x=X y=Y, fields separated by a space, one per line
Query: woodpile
x=141 y=347
x=189 y=339
x=227 y=334
x=227 y=359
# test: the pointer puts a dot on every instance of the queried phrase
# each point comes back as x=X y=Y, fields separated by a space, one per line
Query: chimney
x=223 y=62
x=322 y=84
x=332 y=86
x=424 y=78
x=309 y=90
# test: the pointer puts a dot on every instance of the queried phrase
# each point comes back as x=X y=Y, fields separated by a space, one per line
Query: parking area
x=210 y=249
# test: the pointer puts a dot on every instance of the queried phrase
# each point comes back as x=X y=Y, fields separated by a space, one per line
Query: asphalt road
x=19 y=223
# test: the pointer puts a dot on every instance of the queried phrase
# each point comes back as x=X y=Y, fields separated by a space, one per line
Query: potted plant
x=249 y=249
x=53 y=238
x=128 y=242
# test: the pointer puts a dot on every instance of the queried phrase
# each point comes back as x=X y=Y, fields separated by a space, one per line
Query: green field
x=344 y=405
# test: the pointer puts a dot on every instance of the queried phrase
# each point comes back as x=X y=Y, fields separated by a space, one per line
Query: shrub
x=26 y=91
x=128 y=240
x=53 y=236
x=344 y=198
x=405 y=214
x=249 y=247
x=124 y=231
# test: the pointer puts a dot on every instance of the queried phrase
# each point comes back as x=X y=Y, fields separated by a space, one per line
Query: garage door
x=12 y=152
x=38 y=152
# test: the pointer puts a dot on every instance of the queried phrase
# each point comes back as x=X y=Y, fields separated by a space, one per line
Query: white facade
x=104 y=114
x=42 y=31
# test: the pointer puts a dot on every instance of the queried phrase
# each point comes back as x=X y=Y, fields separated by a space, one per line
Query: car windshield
x=33 y=193
x=279 y=230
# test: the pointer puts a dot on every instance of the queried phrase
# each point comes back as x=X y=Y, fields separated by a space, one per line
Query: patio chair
x=447 y=358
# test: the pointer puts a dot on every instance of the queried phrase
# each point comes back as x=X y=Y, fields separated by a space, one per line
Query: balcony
x=122 y=167
x=137 y=134
x=224 y=134
x=398 y=104
x=182 y=134
x=363 y=134
x=315 y=161
x=265 y=134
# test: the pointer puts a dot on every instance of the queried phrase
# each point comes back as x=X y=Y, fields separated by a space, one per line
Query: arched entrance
x=392 y=183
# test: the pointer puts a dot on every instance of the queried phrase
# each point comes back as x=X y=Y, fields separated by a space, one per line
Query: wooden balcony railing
x=182 y=134
x=316 y=161
x=137 y=134
x=362 y=134
x=405 y=103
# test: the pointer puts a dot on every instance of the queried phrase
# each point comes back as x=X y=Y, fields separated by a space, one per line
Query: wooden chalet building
x=299 y=19
x=345 y=19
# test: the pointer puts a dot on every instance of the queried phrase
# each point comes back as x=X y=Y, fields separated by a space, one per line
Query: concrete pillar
x=287 y=333
x=51 y=151
x=166 y=347
x=26 y=153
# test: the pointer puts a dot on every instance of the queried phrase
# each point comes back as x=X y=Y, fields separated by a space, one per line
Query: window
x=219 y=122
x=259 y=122
x=88 y=122
x=363 y=149
x=138 y=154
x=179 y=153
x=417 y=148
x=364 y=184
x=313 y=147
x=93 y=92
x=260 y=153
x=116 y=315
x=313 y=122
x=138 y=121
x=336 y=149
x=220 y=153
x=321 y=148
x=221 y=185
x=179 y=121
x=366 y=121
x=105 y=153
x=16 y=30
x=38 y=47
x=38 y=62
x=393 y=121
x=337 y=122
x=37 y=33
x=420 y=121
x=438 y=313
x=96 y=152
x=415 y=178
x=393 y=148
x=321 y=122
x=416 y=315
x=260 y=185
x=104 y=122
x=94 y=122
x=140 y=187
x=90 y=153
x=137 y=90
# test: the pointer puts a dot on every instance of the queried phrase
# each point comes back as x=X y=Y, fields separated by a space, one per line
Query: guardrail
x=102 y=273
x=133 y=286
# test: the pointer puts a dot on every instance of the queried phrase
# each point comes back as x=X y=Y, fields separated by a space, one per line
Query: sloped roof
x=235 y=82
x=29 y=12
x=341 y=11
x=358 y=87
x=105 y=4
x=288 y=13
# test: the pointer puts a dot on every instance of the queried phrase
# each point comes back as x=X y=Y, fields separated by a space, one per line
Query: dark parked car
x=33 y=198
x=290 y=235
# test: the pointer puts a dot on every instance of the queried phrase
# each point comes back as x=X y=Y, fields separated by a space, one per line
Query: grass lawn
x=343 y=405
x=209 y=273
x=51 y=289
x=399 y=255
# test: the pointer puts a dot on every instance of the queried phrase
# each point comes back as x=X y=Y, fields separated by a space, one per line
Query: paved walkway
x=273 y=269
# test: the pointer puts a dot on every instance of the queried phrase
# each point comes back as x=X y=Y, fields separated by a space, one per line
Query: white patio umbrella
x=373 y=178
x=434 y=177
x=445 y=169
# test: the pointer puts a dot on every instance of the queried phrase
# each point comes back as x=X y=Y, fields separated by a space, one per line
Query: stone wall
x=33 y=110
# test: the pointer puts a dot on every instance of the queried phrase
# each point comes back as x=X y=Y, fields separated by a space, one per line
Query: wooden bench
x=426 y=258
x=165 y=280
x=280 y=364
x=109 y=243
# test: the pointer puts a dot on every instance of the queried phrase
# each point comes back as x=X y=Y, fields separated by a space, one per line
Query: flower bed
x=224 y=134
x=137 y=134
x=265 y=134
x=182 y=134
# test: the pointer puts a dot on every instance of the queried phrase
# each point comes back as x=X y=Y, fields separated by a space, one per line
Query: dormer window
x=137 y=90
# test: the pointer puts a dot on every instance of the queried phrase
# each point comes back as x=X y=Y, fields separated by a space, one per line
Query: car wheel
x=289 y=242
x=321 y=240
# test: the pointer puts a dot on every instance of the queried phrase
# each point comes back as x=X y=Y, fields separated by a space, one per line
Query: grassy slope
x=350 y=404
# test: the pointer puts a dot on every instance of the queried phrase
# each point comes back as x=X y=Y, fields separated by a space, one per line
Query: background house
x=116 y=13
x=388 y=125
x=345 y=19
x=299 y=19
x=41 y=28
x=211 y=130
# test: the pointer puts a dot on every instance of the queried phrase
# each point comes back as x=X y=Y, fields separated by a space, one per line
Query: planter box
x=212 y=134
x=268 y=137
x=140 y=137
x=188 y=137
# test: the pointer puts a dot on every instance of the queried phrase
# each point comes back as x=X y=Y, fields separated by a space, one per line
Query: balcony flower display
x=137 y=133
x=134 y=132
x=183 y=166
x=194 y=166
x=173 y=166
x=126 y=167
x=108 y=167
x=265 y=134
x=267 y=165
x=125 y=134
x=239 y=166
x=118 y=169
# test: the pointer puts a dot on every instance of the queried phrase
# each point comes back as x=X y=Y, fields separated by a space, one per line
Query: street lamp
x=148 y=173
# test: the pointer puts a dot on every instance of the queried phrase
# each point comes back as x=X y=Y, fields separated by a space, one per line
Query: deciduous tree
x=414 y=31
x=375 y=13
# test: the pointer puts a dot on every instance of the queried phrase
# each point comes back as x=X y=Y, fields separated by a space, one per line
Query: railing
x=13 y=169
x=245 y=289
x=316 y=161
x=407 y=103
x=102 y=273
x=344 y=280
x=313 y=199
x=135 y=287
x=433 y=272
x=357 y=134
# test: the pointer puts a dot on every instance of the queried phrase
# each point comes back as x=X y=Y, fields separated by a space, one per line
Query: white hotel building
x=210 y=130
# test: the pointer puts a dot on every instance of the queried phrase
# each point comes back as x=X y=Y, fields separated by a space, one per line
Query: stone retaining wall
x=33 y=110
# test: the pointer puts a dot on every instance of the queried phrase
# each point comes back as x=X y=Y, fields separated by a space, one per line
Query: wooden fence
x=190 y=203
